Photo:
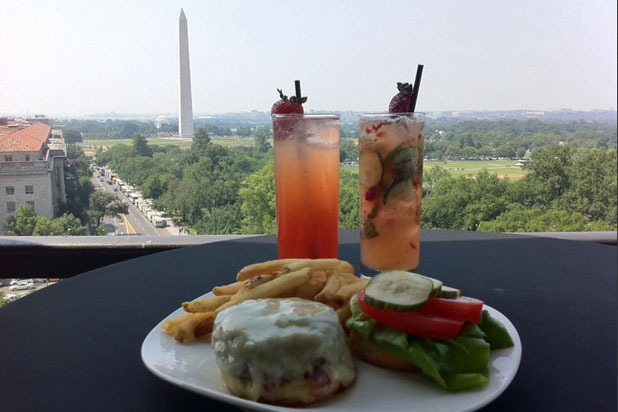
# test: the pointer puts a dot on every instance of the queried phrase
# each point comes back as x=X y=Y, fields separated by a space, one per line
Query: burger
x=282 y=351
x=410 y=322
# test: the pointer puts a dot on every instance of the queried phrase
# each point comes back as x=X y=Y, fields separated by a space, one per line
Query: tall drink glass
x=307 y=184
x=391 y=151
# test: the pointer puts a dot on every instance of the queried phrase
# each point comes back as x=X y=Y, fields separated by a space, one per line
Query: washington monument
x=185 y=107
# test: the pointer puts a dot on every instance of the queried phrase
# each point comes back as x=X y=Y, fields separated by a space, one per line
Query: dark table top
x=76 y=345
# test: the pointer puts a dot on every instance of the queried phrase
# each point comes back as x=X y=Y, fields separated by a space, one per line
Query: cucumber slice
x=398 y=290
x=437 y=285
x=401 y=189
x=371 y=168
x=448 y=292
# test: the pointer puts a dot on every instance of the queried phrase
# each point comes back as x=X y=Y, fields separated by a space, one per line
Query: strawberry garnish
x=400 y=103
x=293 y=105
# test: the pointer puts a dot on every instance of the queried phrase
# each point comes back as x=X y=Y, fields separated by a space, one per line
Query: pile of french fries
x=329 y=281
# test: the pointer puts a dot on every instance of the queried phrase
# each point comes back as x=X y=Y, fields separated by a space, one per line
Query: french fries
x=329 y=281
x=268 y=267
x=345 y=292
x=327 y=295
x=205 y=304
x=275 y=288
x=328 y=265
x=194 y=326
x=230 y=289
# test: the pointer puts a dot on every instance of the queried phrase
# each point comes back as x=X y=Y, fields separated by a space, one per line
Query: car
x=21 y=281
x=11 y=298
x=22 y=286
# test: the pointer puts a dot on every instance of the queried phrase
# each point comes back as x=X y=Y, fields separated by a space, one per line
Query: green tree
x=140 y=145
x=432 y=176
x=548 y=170
x=348 y=199
x=222 y=220
x=462 y=203
x=71 y=136
x=258 y=202
x=348 y=151
x=592 y=188
x=27 y=223
x=519 y=219
x=23 y=222
x=200 y=141
x=261 y=139
x=243 y=131
x=154 y=186
x=105 y=204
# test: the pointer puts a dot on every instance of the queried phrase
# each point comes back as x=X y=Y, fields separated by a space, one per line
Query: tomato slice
x=462 y=308
x=413 y=322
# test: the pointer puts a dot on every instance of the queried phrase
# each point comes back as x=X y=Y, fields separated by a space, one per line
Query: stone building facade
x=32 y=158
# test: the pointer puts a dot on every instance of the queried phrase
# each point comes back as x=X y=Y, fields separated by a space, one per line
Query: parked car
x=11 y=298
x=22 y=286
x=21 y=281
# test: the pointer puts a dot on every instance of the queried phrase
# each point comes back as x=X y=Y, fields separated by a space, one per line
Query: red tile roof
x=28 y=139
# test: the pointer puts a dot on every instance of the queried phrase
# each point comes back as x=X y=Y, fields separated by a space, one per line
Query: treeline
x=471 y=140
x=563 y=190
x=221 y=190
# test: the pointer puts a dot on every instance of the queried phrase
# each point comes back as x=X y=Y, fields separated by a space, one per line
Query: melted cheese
x=277 y=341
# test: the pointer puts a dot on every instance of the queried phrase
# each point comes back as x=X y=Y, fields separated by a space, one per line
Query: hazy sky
x=86 y=57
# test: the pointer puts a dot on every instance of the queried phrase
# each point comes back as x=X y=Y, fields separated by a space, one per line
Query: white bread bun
x=370 y=352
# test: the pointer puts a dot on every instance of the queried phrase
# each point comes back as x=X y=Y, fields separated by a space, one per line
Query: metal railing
x=66 y=256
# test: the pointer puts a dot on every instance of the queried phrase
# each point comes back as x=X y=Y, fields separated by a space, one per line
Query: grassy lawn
x=169 y=141
x=504 y=168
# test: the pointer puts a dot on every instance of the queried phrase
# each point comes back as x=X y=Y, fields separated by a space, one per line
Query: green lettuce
x=455 y=364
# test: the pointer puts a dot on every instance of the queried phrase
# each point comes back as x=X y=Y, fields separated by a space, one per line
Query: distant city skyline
x=80 y=58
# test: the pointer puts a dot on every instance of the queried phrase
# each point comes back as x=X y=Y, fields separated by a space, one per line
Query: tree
x=154 y=186
x=200 y=141
x=592 y=187
x=243 y=131
x=72 y=136
x=462 y=203
x=258 y=201
x=105 y=204
x=140 y=145
x=519 y=219
x=222 y=220
x=348 y=151
x=348 y=199
x=261 y=139
x=432 y=176
x=27 y=223
x=548 y=170
x=23 y=222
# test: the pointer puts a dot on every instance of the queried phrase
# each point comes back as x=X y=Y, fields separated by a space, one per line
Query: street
x=134 y=223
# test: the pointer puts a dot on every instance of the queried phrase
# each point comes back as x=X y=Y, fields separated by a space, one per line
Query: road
x=134 y=223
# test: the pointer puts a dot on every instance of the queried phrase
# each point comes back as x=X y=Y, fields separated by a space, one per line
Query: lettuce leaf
x=455 y=364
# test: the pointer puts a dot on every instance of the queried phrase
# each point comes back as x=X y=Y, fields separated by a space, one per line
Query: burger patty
x=282 y=350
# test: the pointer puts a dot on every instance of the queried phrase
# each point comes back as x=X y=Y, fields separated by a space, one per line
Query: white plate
x=193 y=367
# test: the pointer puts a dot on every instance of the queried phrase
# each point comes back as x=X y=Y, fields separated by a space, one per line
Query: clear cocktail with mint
x=391 y=151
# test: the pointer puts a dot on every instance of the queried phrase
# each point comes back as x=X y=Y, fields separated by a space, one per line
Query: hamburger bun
x=370 y=352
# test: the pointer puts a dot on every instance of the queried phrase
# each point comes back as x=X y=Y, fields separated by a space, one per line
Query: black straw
x=297 y=85
x=417 y=85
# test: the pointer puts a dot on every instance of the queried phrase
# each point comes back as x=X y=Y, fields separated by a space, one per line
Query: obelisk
x=185 y=107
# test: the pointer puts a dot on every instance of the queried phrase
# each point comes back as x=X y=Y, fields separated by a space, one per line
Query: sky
x=69 y=57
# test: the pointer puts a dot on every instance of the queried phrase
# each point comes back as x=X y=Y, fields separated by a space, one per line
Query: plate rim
x=259 y=406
